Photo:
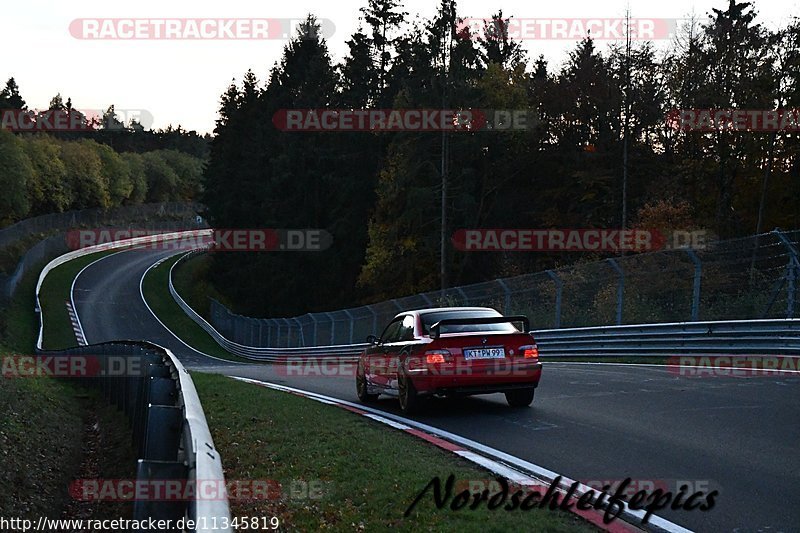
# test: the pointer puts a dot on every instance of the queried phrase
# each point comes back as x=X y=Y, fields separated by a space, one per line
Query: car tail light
x=437 y=356
x=529 y=352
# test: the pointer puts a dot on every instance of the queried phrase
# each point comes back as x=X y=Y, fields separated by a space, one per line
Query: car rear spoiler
x=480 y=320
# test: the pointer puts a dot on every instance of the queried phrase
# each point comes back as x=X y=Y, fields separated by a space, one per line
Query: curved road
x=599 y=422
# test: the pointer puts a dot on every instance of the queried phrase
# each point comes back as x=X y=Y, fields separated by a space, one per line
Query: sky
x=179 y=81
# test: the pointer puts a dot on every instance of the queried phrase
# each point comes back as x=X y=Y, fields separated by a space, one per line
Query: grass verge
x=53 y=431
x=58 y=333
x=191 y=278
x=20 y=323
x=363 y=476
x=156 y=293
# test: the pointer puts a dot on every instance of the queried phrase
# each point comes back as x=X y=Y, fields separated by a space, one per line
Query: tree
x=161 y=178
x=57 y=103
x=138 y=177
x=10 y=97
x=17 y=173
x=383 y=17
x=735 y=67
x=496 y=45
x=84 y=174
x=48 y=190
x=110 y=121
x=189 y=171
x=359 y=77
x=116 y=173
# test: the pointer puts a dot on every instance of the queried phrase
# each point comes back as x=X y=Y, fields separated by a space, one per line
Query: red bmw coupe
x=450 y=351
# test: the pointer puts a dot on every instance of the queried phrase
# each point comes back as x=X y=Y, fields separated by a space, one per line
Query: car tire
x=520 y=397
x=361 y=387
x=407 y=394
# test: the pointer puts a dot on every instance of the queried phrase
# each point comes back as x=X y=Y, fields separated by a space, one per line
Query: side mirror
x=373 y=340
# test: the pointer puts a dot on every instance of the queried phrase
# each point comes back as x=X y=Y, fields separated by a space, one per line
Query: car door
x=394 y=350
x=377 y=370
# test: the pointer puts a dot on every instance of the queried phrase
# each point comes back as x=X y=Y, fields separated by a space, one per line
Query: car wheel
x=409 y=399
x=520 y=397
x=361 y=387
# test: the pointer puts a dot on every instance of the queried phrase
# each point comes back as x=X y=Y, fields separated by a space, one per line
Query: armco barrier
x=752 y=337
x=170 y=431
x=60 y=260
x=344 y=352
x=748 y=337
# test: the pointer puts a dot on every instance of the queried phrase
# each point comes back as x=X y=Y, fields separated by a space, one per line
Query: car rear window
x=429 y=319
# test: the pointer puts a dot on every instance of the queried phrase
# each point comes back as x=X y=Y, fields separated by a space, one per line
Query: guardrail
x=171 y=436
x=125 y=243
x=343 y=352
x=157 y=394
x=752 y=337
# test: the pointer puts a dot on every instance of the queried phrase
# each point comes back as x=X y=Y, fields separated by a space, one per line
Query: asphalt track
x=590 y=422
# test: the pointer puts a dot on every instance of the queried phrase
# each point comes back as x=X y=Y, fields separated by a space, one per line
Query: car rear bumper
x=486 y=379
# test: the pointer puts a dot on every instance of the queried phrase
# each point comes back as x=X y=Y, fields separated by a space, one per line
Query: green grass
x=11 y=254
x=20 y=323
x=55 y=292
x=368 y=474
x=191 y=278
x=156 y=292
x=53 y=431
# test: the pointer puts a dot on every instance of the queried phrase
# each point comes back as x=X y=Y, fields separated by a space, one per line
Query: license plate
x=485 y=353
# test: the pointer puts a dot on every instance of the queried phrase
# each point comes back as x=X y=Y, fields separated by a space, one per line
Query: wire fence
x=146 y=217
x=92 y=218
x=746 y=278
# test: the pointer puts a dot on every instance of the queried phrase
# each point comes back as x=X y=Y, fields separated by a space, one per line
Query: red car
x=450 y=351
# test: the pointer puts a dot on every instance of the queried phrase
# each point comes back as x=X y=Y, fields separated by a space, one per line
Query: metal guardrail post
x=350 y=316
x=288 y=332
x=698 y=273
x=792 y=272
x=314 y=341
x=333 y=327
x=559 y=288
x=374 y=320
x=463 y=295
x=507 y=301
x=302 y=337
x=620 y=287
